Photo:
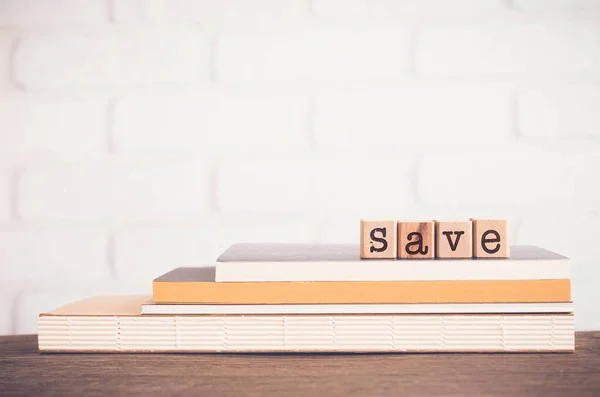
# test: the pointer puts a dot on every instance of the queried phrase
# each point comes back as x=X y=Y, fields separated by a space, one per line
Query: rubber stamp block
x=377 y=239
x=490 y=238
x=453 y=239
x=415 y=240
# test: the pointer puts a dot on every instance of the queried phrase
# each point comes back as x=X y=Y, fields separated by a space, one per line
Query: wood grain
x=377 y=239
x=26 y=372
x=415 y=240
x=490 y=238
x=453 y=239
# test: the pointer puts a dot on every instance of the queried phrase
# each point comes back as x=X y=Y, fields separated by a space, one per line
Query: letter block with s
x=377 y=239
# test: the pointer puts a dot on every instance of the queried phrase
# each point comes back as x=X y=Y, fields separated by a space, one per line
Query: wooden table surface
x=24 y=371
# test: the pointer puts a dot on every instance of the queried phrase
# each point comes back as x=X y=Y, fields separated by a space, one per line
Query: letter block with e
x=377 y=239
x=490 y=238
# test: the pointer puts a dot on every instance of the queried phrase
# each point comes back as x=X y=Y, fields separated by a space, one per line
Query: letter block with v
x=453 y=239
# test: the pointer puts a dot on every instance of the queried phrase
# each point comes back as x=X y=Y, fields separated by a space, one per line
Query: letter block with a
x=453 y=239
x=377 y=239
x=490 y=238
x=415 y=240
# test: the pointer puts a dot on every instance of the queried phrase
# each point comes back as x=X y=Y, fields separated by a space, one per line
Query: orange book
x=197 y=285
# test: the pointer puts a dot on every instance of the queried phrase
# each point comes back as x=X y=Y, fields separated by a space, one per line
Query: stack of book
x=336 y=298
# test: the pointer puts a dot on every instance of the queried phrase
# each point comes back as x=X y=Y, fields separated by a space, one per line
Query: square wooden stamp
x=377 y=239
x=453 y=239
x=415 y=240
x=490 y=238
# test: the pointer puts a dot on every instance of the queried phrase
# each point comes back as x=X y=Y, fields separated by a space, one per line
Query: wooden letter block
x=377 y=239
x=453 y=239
x=490 y=238
x=415 y=240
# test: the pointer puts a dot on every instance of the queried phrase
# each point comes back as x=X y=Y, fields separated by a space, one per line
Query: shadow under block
x=377 y=239
x=415 y=240
x=453 y=239
x=490 y=238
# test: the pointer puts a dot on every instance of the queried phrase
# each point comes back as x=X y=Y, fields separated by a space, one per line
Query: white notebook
x=409 y=308
x=255 y=262
x=113 y=324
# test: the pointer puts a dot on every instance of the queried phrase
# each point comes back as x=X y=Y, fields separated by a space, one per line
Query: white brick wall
x=406 y=9
x=5 y=195
x=8 y=292
x=41 y=12
x=51 y=125
x=543 y=5
x=419 y=114
x=480 y=178
x=113 y=191
x=137 y=136
x=6 y=42
x=53 y=255
x=112 y=58
x=316 y=183
x=531 y=48
x=204 y=11
x=204 y=122
x=147 y=252
x=312 y=55
x=568 y=112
